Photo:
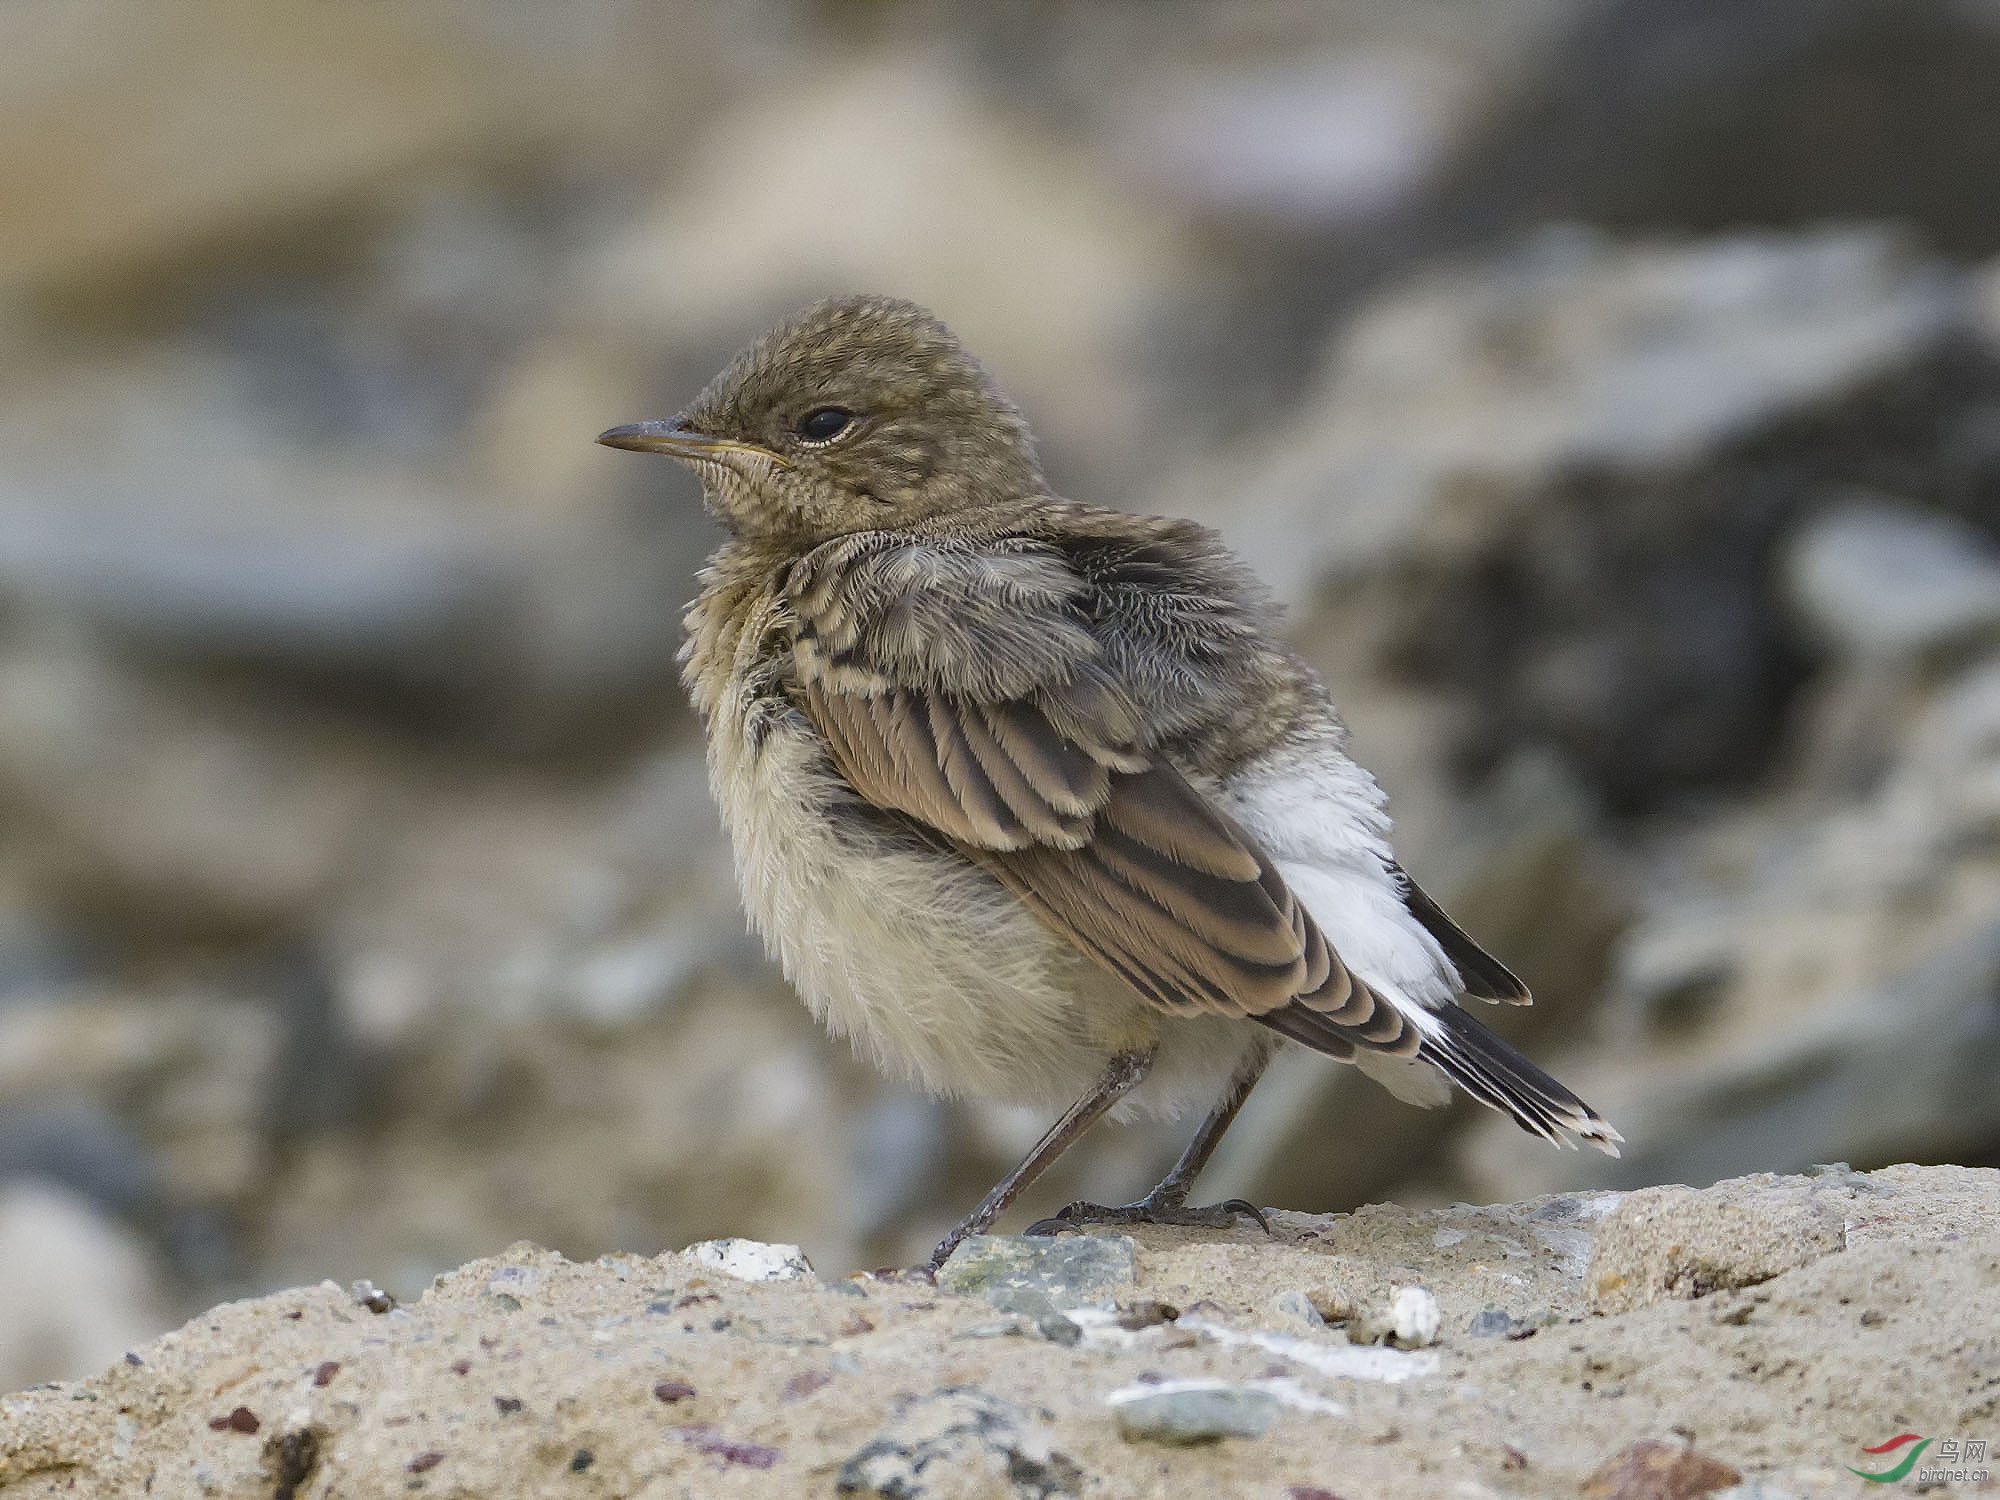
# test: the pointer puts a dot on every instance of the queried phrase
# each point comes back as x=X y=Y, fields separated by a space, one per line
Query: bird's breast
x=891 y=938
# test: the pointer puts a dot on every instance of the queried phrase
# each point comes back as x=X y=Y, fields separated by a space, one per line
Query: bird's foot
x=1154 y=1208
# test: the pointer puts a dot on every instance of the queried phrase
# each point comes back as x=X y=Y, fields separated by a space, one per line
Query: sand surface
x=1766 y=1328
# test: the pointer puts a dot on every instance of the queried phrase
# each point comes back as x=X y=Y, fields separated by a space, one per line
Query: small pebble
x=1650 y=1468
x=325 y=1371
x=1058 y=1329
x=753 y=1260
x=1294 y=1308
x=242 y=1419
x=1414 y=1317
x=671 y=1391
x=707 y=1440
x=802 y=1384
x=1184 y=1412
x=1147 y=1312
x=425 y=1461
x=372 y=1296
x=994 y=1328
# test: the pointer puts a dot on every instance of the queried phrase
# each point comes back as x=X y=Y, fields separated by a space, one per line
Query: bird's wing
x=965 y=690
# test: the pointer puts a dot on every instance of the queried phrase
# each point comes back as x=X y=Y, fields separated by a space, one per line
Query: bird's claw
x=1072 y=1217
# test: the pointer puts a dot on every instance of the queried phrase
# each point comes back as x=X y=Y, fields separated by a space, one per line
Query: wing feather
x=1035 y=765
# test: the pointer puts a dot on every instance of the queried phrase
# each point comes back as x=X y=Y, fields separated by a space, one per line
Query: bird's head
x=858 y=413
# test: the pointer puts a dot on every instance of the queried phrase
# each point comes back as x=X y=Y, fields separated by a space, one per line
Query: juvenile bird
x=1028 y=796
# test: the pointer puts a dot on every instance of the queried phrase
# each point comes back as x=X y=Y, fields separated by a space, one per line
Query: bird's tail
x=1495 y=1074
x=1474 y=1058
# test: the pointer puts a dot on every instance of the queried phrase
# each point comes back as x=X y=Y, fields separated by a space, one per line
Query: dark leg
x=1167 y=1203
x=1120 y=1077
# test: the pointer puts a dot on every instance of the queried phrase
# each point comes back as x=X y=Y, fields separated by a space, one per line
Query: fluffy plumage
x=1020 y=787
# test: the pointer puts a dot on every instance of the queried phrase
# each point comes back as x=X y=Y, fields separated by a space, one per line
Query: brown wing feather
x=992 y=821
x=1061 y=774
x=1159 y=887
x=1031 y=808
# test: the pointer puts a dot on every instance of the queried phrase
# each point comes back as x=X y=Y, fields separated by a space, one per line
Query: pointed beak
x=669 y=437
x=676 y=439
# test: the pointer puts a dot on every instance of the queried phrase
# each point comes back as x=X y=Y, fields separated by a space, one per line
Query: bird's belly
x=933 y=969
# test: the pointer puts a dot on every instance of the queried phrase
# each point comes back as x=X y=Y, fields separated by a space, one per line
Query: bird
x=1030 y=798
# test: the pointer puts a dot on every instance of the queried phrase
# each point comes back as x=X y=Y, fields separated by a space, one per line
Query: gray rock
x=1034 y=1274
x=1450 y=405
x=1293 y=1307
x=318 y=598
x=1184 y=1412
x=1698 y=115
x=1904 y=1068
x=1873 y=578
x=961 y=1441
x=1818 y=976
x=85 y=1148
x=1327 y=140
x=1057 y=1329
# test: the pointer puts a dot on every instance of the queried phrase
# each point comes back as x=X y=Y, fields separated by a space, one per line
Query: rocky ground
x=1610 y=389
x=1747 y=1339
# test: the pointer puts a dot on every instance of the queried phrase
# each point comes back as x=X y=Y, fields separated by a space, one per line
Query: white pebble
x=1413 y=1312
x=753 y=1260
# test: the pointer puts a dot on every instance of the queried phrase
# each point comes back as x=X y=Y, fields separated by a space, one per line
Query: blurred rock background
x=1611 y=389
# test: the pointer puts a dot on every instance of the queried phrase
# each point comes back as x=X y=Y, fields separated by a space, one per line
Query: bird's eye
x=825 y=423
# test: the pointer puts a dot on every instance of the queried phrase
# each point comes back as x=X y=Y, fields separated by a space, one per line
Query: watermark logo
x=1959 y=1460
x=1903 y=1466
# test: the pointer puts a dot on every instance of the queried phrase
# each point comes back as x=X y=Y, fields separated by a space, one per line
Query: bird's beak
x=677 y=440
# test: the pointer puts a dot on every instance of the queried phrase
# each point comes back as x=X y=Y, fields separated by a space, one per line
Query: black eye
x=825 y=423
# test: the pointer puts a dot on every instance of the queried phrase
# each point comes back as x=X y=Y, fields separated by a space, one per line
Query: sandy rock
x=635 y=1375
x=1676 y=1242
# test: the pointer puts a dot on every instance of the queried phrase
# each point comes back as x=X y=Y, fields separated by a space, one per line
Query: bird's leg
x=1167 y=1203
x=1121 y=1075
